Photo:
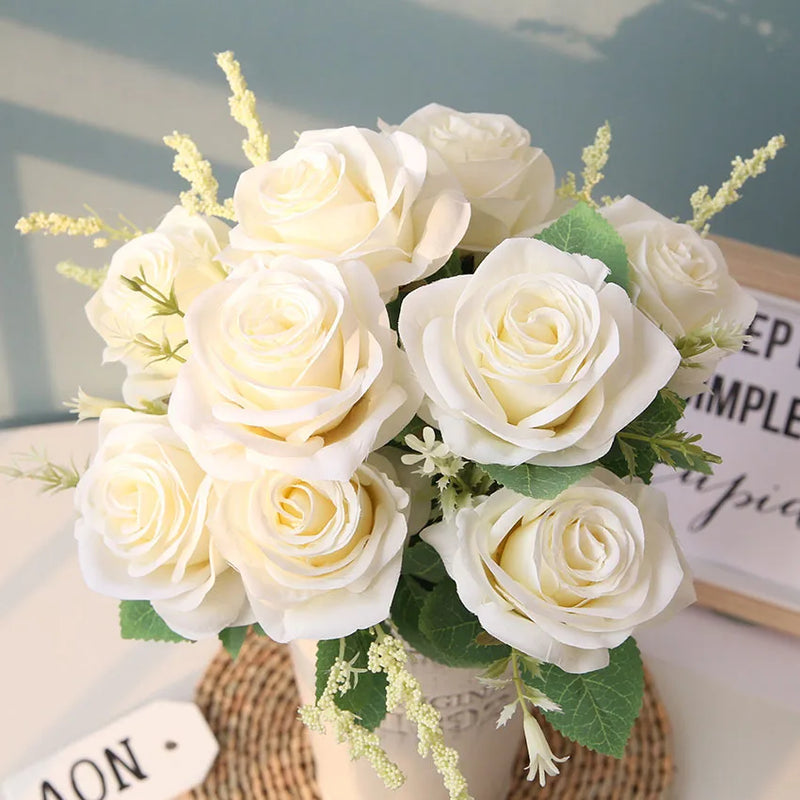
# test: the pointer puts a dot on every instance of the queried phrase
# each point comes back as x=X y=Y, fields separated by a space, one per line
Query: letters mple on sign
x=156 y=753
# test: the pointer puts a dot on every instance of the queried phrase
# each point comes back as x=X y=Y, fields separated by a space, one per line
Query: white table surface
x=732 y=690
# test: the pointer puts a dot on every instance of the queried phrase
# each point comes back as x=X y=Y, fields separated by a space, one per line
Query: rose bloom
x=351 y=193
x=319 y=559
x=534 y=358
x=510 y=185
x=565 y=579
x=681 y=282
x=295 y=368
x=181 y=255
x=142 y=534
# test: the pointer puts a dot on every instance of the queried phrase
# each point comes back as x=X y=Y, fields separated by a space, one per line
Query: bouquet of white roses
x=398 y=391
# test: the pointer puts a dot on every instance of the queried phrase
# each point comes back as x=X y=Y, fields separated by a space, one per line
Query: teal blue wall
x=685 y=85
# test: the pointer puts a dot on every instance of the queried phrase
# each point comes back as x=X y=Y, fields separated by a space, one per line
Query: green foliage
x=420 y=560
x=232 y=639
x=543 y=483
x=600 y=707
x=651 y=438
x=415 y=427
x=409 y=598
x=366 y=697
x=138 y=620
x=453 y=630
x=582 y=230
x=436 y=624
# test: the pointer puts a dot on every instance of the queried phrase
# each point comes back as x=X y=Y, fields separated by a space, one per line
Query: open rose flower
x=510 y=185
x=319 y=559
x=142 y=533
x=351 y=193
x=534 y=358
x=564 y=580
x=294 y=367
x=682 y=283
x=180 y=257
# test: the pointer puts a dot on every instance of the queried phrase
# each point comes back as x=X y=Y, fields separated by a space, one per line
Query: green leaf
x=415 y=427
x=367 y=698
x=582 y=230
x=138 y=620
x=232 y=639
x=600 y=707
x=453 y=630
x=652 y=438
x=409 y=598
x=423 y=562
x=532 y=480
x=259 y=631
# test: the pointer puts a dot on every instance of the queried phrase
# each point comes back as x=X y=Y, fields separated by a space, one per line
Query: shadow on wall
x=686 y=85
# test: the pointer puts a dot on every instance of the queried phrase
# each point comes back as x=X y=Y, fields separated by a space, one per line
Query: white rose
x=142 y=531
x=319 y=559
x=352 y=194
x=534 y=358
x=181 y=255
x=565 y=579
x=681 y=282
x=510 y=185
x=295 y=368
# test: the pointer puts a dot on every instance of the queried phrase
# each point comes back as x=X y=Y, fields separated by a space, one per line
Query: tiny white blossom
x=543 y=762
x=87 y=406
x=433 y=454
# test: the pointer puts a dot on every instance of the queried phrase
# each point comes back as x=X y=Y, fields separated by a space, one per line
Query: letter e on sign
x=155 y=753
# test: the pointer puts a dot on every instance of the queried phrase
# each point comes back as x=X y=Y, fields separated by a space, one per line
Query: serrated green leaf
x=367 y=698
x=600 y=707
x=543 y=483
x=232 y=639
x=138 y=620
x=582 y=230
x=453 y=629
x=423 y=562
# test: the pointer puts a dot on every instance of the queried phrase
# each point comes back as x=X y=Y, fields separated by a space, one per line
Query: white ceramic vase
x=469 y=717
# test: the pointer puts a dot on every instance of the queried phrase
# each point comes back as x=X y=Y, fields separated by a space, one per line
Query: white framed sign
x=740 y=527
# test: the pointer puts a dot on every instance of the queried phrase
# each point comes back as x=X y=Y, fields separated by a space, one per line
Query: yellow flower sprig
x=362 y=742
x=388 y=655
x=704 y=206
x=242 y=103
x=201 y=198
x=594 y=157
x=56 y=224
x=86 y=276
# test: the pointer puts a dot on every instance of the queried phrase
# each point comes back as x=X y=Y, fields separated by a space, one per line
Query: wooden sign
x=740 y=528
x=156 y=753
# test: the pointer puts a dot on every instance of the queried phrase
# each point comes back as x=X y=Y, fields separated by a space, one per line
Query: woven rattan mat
x=251 y=705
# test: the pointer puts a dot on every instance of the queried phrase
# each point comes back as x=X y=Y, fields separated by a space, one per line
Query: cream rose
x=142 y=534
x=294 y=368
x=510 y=185
x=179 y=255
x=682 y=283
x=352 y=194
x=566 y=579
x=319 y=559
x=534 y=358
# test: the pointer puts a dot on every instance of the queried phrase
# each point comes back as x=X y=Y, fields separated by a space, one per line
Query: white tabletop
x=732 y=690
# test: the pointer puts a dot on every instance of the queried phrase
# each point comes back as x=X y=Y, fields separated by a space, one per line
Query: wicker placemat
x=251 y=705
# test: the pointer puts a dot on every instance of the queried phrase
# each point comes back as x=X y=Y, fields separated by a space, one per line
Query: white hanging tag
x=155 y=753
